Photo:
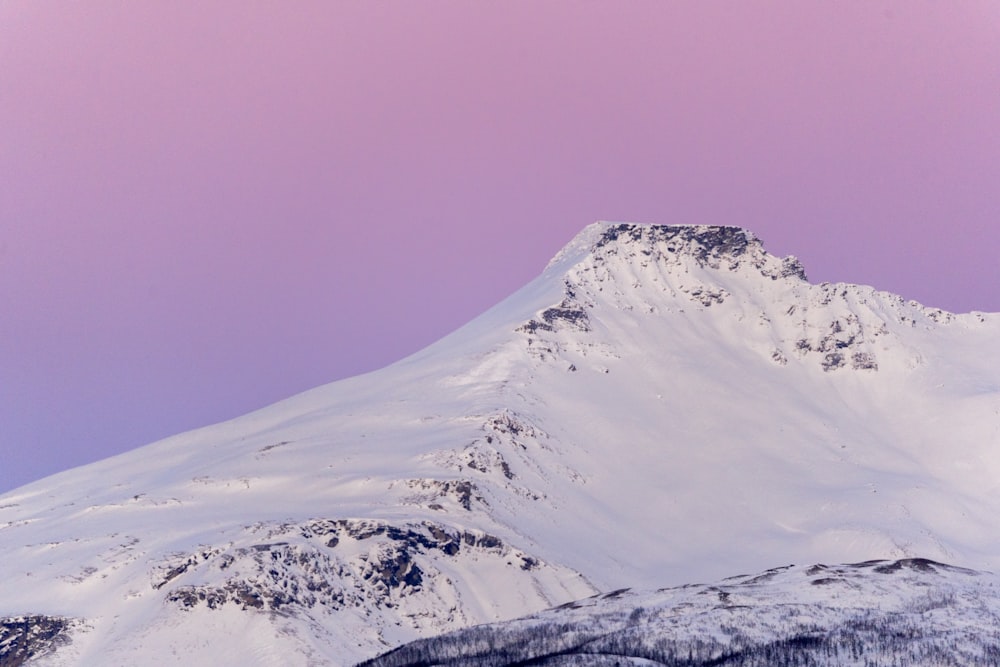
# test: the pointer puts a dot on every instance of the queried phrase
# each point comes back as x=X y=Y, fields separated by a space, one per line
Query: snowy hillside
x=911 y=612
x=662 y=405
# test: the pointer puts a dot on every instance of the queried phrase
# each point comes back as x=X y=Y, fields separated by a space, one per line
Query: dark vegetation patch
x=782 y=633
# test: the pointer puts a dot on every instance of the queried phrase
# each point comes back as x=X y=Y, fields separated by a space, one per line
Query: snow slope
x=664 y=404
x=913 y=612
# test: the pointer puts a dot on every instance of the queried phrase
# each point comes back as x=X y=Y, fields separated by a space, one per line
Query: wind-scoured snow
x=664 y=404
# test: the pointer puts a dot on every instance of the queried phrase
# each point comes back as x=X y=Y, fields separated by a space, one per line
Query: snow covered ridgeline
x=713 y=246
x=912 y=612
x=657 y=269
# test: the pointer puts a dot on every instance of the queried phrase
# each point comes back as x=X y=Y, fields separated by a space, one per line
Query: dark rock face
x=714 y=246
x=704 y=242
x=23 y=638
x=842 y=345
x=792 y=267
x=567 y=315
x=305 y=570
x=461 y=491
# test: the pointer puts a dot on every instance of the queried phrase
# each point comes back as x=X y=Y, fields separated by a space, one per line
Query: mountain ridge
x=909 y=611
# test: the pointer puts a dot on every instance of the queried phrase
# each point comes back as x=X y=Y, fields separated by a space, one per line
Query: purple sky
x=206 y=207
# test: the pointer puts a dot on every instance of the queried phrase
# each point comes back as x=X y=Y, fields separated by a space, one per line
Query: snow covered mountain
x=664 y=404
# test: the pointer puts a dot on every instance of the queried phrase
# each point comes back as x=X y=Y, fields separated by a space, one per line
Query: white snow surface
x=664 y=404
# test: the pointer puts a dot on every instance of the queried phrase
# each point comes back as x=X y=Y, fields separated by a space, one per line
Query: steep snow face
x=904 y=612
x=663 y=404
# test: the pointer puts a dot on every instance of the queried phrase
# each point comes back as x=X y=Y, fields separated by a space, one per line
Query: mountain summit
x=664 y=404
x=707 y=245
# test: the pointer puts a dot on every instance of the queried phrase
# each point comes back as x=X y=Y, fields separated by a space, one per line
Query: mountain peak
x=711 y=246
x=675 y=279
x=703 y=239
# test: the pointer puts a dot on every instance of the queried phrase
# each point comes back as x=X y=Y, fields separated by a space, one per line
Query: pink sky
x=206 y=207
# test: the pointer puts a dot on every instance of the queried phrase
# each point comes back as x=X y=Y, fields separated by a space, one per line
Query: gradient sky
x=206 y=207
